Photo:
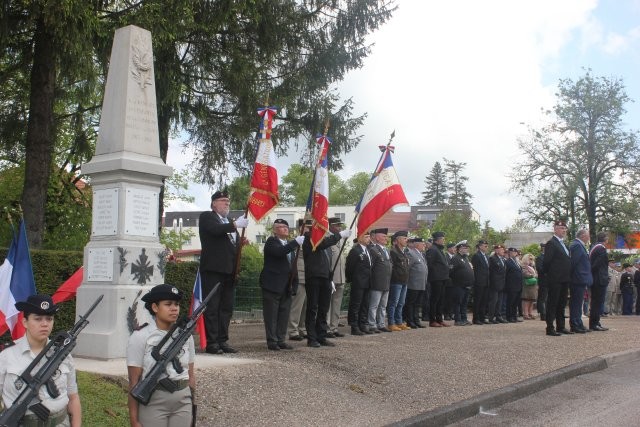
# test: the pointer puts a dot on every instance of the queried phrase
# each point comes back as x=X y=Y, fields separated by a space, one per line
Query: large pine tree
x=456 y=182
x=435 y=193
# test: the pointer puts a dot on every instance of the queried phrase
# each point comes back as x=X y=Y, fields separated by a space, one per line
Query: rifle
x=178 y=334
x=55 y=352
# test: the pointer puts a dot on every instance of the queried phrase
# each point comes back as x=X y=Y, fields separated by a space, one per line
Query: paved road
x=610 y=397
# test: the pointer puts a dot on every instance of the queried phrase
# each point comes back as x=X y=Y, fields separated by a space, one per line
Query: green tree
x=294 y=190
x=176 y=187
x=436 y=186
x=583 y=164
x=356 y=186
x=457 y=225
x=239 y=192
x=456 y=183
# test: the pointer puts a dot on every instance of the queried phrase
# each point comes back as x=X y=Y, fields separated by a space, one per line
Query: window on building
x=341 y=215
x=426 y=216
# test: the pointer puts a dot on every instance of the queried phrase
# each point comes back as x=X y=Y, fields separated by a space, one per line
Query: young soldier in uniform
x=37 y=320
x=171 y=409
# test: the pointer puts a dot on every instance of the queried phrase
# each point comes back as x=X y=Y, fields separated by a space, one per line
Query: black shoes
x=337 y=334
x=326 y=343
x=553 y=333
x=284 y=346
x=227 y=349
x=356 y=331
x=330 y=335
x=565 y=331
x=296 y=338
x=314 y=344
x=214 y=349
x=599 y=328
x=273 y=347
x=384 y=329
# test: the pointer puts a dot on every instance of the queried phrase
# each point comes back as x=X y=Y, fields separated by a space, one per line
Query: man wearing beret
x=497 y=272
x=438 y=276
x=557 y=268
x=480 y=263
x=380 y=280
x=417 y=283
x=278 y=280
x=462 y=279
x=317 y=269
x=513 y=284
x=358 y=273
x=220 y=241
x=447 y=299
x=398 y=281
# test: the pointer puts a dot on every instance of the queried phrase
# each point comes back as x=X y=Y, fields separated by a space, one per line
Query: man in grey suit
x=417 y=282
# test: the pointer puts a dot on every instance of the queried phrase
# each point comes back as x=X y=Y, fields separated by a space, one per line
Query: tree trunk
x=40 y=140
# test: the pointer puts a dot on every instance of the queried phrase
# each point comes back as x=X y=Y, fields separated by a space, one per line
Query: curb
x=470 y=407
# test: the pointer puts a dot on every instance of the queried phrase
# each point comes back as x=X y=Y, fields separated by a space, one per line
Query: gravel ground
x=377 y=379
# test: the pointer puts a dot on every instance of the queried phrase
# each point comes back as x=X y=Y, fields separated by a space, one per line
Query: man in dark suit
x=557 y=269
x=541 y=303
x=581 y=279
x=219 y=240
x=497 y=271
x=600 y=273
x=480 y=263
x=380 y=280
x=513 y=285
x=358 y=273
x=317 y=271
x=438 y=265
x=278 y=281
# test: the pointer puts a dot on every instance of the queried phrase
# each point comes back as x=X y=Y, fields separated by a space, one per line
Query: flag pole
x=384 y=151
x=256 y=142
x=294 y=262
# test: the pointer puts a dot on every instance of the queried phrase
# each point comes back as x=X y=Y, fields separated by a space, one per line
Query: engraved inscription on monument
x=141 y=213
x=105 y=212
x=100 y=265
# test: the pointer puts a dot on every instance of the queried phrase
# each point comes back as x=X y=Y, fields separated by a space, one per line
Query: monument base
x=110 y=325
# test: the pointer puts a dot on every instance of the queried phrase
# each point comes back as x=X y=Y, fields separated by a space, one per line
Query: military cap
x=462 y=243
x=626 y=265
x=220 y=195
x=380 y=231
x=450 y=245
x=416 y=240
x=560 y=222
x=498 y=246
x=482 y=242
x=281 y=222
x=437 y=234
x=38 y=304
x=512 y=250
x=162 y=293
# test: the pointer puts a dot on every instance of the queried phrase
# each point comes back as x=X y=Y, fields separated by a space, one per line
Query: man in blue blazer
x=278 y=280
x=581 y=279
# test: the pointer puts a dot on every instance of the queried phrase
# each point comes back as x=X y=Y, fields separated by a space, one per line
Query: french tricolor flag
x=320 y=194
x=383 y=193
x=16 y=283
x=264 y=181
x=196 y=301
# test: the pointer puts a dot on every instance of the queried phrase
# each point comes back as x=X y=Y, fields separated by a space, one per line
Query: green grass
x=104 y=401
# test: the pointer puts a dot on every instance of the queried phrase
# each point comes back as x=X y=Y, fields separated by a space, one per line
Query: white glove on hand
x=345 y=233
x=241 y=222
x=300 y=240
x=333 y=287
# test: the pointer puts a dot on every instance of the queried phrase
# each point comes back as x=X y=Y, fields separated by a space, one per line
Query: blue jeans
x=397 y=296
x=576 y=300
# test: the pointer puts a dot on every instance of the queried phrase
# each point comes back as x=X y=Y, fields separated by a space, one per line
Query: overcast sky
x=462 y=80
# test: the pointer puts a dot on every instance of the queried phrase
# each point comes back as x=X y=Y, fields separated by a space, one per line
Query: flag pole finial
x=393 y=134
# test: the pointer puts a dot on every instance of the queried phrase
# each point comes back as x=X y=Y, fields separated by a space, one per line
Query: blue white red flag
x=320 y=204
x=383 y=193
x=196 y=301
x=16 y=283
x=263 y=195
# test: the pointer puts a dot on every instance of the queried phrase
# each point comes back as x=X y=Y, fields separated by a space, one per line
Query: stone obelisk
x=124 y=257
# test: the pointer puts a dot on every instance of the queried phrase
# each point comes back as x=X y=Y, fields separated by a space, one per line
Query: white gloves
x=241 y=222
x=333 y=287
x=299 y=240
x=345 y=233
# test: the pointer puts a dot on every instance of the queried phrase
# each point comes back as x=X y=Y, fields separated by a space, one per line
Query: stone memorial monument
x=124 y=257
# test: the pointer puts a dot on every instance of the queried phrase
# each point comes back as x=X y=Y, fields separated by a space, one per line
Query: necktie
x=232 y=236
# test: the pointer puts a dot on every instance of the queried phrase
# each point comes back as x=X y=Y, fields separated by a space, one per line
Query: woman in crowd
x=530 y=288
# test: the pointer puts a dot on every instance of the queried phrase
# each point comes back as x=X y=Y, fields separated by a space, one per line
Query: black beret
x=512 y=250
x=400 y=233
x=219 y=195
x=450 y=245
x=560 y=222
x=498 y=246
x=335 y=221
x=38 y=304
x=380 y=231
x=437 y=234
x=162 y=293
x=280 y=221
x=482 y=242
x=416 y=240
